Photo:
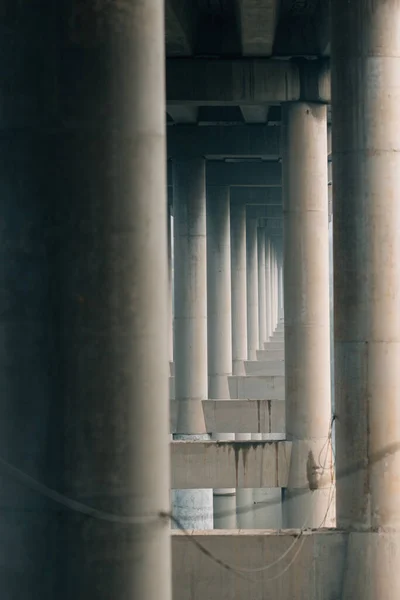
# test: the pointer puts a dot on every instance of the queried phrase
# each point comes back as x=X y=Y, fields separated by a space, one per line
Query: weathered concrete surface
x=212 y=82
x=240 y=416
x=255 y=387
x=190 y=291
x=307 y=327
x=366 y=180
x=229 y=464
x=257 y=22
x=239 y=82
x=313 y=569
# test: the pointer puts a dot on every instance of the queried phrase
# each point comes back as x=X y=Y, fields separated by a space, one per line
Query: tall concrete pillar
x=220 y=327
x=170 y=298
x=366 y=240
x=252 y=288
x=193 y=507
x=244 y=497
x=280 y=286
x=274 y=291
x=306 y=280
x=83 y=358
x=262 y=308
x=239 y=287
x=268 y=325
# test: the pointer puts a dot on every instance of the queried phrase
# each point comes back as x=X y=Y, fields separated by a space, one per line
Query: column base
x=372 y=566
x=193 y=508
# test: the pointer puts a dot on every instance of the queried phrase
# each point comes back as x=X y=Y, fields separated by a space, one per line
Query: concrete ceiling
x=223 y=59
x=247 y=28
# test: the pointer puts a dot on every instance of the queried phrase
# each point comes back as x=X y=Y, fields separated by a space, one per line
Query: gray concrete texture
x=285 y=565
x=197 y=464
x=84 y=289
x=307 y=345
x=239 y=416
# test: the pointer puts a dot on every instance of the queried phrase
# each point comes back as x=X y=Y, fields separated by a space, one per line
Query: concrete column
x=274 y=321
x=239 y=287
x=220 y=327
x=244 y=497
x=267 y=512
x=252 y=289
x=280 y=287
x=366 y=241
x=219 y=292
x=262 y=312
x=193 y=507
x=84 y=349
x=306 y=280
x=170 y=298
x=268 y=329
x=269 y=290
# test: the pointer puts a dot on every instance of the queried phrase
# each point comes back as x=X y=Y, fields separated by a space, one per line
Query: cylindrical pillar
x=220 y=327
x=244 y=497
x=83 y=303
x=239 y=287
x=306 y=280
x=219 y=292
x=268 y=328
x=280 y=288
x=262 y=312
x=366 y=240
x=170 y=298
x=192 y=507
x=267 y=513
x=273 y=288
x=252 y=289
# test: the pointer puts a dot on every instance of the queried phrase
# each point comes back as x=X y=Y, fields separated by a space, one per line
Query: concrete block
x=255 y=387
x=263 y=355
x=239 y=416
x=270 y=367
x=275 y=345
x=310 y=566
x=229 y=464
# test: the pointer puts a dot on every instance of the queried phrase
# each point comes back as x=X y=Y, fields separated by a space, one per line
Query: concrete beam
x=249 y=174
x=229 y=464
x=239 y=416
x=257 y=22
x=261 y=141
x=235 y=82
x=183 y=113
x=316 y=559
x=206 y=82
x=255 y=113
x=268 y=387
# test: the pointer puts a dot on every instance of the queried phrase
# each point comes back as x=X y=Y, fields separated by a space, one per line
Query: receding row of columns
x=84 y=313
x=215 y=316
x=214 y=311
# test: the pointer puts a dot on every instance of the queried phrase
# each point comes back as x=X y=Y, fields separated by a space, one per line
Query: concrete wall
x=313 y=569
